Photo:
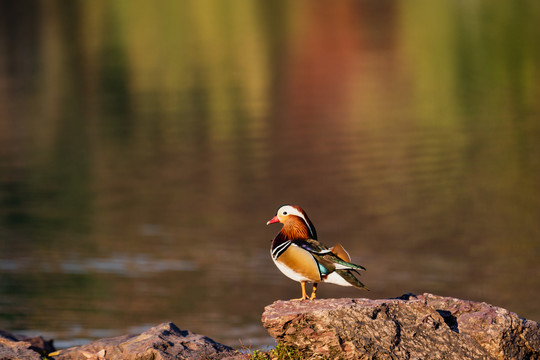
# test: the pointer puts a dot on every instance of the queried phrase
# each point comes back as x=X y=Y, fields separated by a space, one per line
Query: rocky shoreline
x=409 y=327
x=162 y=342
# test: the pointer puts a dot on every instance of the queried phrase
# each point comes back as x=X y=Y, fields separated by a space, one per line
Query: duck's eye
x=284 y=213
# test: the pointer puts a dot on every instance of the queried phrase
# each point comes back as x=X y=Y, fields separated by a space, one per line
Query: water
x=143 y=147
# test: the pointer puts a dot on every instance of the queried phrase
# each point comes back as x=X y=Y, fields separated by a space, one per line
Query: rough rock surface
x=23 y=347
x=410 y=327
x=10 y=349
x=162 y=342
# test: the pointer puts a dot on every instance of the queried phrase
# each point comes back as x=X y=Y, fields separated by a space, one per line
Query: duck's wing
x=325 y=256
x=313 y=246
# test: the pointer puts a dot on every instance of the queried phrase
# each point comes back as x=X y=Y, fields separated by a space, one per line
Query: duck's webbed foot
x=304 y=294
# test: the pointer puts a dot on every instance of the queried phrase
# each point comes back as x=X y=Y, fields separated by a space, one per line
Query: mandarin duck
x=297 y=254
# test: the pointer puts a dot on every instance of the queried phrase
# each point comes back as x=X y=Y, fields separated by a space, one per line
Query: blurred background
x=144 y=145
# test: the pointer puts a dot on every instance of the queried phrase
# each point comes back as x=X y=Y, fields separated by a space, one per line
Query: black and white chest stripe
x=280 y=249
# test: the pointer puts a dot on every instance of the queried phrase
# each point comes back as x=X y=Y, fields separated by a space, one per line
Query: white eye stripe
x=289 y=210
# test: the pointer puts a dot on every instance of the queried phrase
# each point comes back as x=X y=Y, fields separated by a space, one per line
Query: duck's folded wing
x=316 y=248
x=313 y=246
x=342 y=264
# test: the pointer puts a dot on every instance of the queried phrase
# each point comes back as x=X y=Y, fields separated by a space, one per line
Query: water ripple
x=126 y=266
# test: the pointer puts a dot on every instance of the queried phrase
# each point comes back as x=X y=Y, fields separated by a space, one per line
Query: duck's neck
x=278 y=240
x=291 y=231
x=295 y=230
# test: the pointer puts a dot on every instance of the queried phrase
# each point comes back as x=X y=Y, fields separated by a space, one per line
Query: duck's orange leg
x=314 y=291
x=304 y=294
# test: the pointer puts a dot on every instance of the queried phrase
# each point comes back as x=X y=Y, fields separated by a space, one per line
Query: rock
x=410 y=327
x=37 y=343
x=162 y=342
x=22 y=347
x=17 y=350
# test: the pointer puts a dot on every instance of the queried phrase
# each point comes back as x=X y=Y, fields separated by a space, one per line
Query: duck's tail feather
x=351 y=279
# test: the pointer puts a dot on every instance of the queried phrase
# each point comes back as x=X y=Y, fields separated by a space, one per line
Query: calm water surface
x=144 y=145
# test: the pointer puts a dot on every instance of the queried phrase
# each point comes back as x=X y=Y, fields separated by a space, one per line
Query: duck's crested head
x=294 y=218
